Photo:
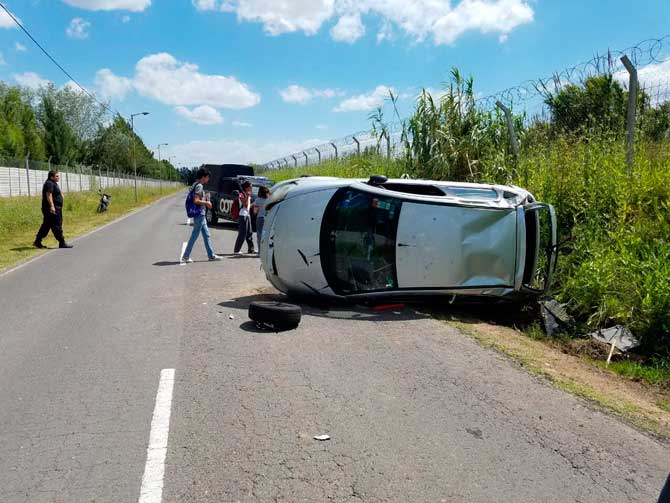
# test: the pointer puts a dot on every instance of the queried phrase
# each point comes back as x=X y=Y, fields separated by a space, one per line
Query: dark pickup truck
x=225 y=184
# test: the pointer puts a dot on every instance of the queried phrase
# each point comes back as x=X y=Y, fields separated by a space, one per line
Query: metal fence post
x=318 y=152
x=358 y=146
x=388 y=146
x=67 y=175
x=295 y=161
x=28 y=171
x=79 y=169
x=632 y=110
x=306 y=158
x=335 y=147
x=514 y=141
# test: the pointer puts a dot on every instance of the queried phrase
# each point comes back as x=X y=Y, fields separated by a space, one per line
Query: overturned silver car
x=383 y=239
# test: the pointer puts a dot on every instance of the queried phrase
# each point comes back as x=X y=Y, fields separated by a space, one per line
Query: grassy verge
x=20 y=217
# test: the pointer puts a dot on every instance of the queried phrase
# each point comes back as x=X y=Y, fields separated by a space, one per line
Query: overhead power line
x=60 y=67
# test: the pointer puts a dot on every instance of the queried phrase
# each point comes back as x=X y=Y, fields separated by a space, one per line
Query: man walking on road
x=244 y=232
x=199 y=221
x=52 y=212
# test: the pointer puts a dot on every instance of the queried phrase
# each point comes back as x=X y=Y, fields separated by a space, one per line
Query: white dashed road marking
x=183 y=249
x=152 y=481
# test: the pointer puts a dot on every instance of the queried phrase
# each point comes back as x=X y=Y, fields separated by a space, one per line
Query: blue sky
x=250 y=80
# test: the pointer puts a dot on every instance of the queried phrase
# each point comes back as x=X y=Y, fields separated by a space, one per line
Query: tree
x=59 y=139
x=598 y=105
x=19 y=131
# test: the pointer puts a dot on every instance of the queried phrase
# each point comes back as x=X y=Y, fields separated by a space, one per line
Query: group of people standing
x=248 y=207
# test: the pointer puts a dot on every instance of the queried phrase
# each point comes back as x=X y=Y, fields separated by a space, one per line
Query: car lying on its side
x=378 y=239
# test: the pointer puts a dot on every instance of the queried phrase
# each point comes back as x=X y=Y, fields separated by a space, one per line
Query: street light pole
x=132 y=128
x=160 y=166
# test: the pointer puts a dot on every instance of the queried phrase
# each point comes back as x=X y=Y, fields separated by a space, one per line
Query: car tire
x=279 y=315
x=211 y=217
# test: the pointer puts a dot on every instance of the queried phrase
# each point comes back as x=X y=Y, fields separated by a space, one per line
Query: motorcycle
x=104 y=201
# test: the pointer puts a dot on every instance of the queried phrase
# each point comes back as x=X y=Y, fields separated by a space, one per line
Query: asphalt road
x=415 y=410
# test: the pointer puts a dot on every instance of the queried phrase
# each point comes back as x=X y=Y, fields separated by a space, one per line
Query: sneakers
x=38 y=244
x=215 y=257
x=251 y=252
x=237 y=253
x=186 y=260
x=65 y=245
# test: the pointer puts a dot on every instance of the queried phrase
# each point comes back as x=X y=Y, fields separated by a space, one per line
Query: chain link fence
x=648 y=69
x=25 y=177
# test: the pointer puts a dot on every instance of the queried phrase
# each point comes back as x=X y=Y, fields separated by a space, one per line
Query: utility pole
x=160 y=166
x=132 y=128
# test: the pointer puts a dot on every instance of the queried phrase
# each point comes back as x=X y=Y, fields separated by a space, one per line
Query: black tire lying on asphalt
x=279 y=315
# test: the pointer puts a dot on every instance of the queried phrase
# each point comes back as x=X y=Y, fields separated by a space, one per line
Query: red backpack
x=235 y=208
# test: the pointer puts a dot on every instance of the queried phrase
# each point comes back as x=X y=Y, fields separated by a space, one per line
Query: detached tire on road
x=279 y=315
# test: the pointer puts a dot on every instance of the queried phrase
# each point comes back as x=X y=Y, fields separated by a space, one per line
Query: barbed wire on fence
x=651 y=57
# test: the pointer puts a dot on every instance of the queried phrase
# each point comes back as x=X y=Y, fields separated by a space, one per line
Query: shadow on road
x=330 y=310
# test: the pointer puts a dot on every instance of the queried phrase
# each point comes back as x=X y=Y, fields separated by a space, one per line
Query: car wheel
x=279 y=315
x=211 y=217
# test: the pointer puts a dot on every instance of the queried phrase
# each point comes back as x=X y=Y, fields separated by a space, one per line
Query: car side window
x=359 y=237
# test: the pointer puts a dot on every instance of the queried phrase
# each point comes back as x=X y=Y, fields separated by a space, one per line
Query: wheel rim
x=208 y=216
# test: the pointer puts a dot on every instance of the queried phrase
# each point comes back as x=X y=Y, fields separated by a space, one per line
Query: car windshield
x=358 y=241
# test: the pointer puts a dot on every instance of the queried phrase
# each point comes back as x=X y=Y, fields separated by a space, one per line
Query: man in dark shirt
x=52 y=211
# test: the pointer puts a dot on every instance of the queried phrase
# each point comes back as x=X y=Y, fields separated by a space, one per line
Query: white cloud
x=203 y=115
x=6 y=21
x=78 y=28
x=241 y=124
x=131 y=5
x=296 y=94
x=419 y=19
x=195 y=153
x=30 y=79
x=321 y=126
x=301 y=95
x=277 y=17
x=348 y=29
x=71 y=86
x=162 y=77
x=20 y=47
x=364 y=102
x=110 y=86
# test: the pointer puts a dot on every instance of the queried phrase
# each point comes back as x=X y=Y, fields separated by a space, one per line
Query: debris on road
x=388 y=307
x=322 y=438
x=231 y=317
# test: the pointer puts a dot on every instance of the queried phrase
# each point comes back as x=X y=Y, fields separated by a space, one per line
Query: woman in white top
x=259 y=209
x=244 y=232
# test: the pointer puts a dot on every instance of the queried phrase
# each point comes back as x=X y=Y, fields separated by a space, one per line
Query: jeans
x=199 y=226
x=244 y=233
x=259 y=230
x=51 y=222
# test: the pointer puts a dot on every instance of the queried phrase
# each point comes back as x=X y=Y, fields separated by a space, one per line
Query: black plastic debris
x=555 y=318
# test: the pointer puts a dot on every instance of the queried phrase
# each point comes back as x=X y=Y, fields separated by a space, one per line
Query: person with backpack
x=244 y=232
x=196 y=204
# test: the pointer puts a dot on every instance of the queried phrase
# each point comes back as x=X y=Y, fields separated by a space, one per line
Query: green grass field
x=21 y=217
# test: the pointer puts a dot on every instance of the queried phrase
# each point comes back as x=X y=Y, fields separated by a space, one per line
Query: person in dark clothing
x=52 y=212
x=244 y=232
